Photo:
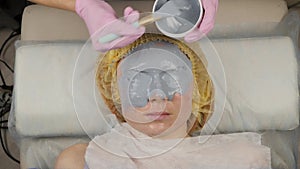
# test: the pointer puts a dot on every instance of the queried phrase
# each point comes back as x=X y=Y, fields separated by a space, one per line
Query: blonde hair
x=106 y=79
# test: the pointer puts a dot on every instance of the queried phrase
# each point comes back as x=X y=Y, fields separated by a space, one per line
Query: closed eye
x=169 y=70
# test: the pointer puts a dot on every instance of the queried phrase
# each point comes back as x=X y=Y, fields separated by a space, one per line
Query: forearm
x=62 y=4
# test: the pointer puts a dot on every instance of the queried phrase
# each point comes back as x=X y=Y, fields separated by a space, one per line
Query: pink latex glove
x=207 y=23
x=100 y=19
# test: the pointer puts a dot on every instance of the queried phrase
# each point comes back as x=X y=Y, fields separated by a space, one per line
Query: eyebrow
x=138 y=67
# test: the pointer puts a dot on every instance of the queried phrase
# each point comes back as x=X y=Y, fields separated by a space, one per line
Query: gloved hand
x=100 y=19
x=207 y=23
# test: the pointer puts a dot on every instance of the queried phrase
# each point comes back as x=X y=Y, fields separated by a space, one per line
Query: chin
x=160 y=129
x=151 y=129
x=156 y=129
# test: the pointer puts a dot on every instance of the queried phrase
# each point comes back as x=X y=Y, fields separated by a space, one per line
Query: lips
x=158 y=115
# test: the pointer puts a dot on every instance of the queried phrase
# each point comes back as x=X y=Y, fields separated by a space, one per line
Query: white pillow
x=261 y=74
x=43 y=103
x=262 y=84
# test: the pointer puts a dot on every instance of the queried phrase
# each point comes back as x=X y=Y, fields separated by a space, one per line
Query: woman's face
x=155 y=87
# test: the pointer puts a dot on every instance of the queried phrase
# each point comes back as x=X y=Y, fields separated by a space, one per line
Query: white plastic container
x=190 y=16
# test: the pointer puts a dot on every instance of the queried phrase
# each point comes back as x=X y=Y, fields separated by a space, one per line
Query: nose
x=157 y=100
x=157 y=95
x=156 y=87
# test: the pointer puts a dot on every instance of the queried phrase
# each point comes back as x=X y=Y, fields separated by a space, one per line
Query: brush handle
x=143 y=21
x=112 y=36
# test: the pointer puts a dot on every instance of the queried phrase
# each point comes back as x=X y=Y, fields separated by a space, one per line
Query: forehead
x=160 y=55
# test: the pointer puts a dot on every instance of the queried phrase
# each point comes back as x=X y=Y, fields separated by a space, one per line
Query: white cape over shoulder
x=126 y=148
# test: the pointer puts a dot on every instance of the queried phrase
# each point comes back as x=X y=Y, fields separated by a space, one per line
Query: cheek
x=185 y=100
x=185 y=108
x=134 y=116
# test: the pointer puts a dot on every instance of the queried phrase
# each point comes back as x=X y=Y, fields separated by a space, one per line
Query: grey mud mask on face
x=155 y=70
